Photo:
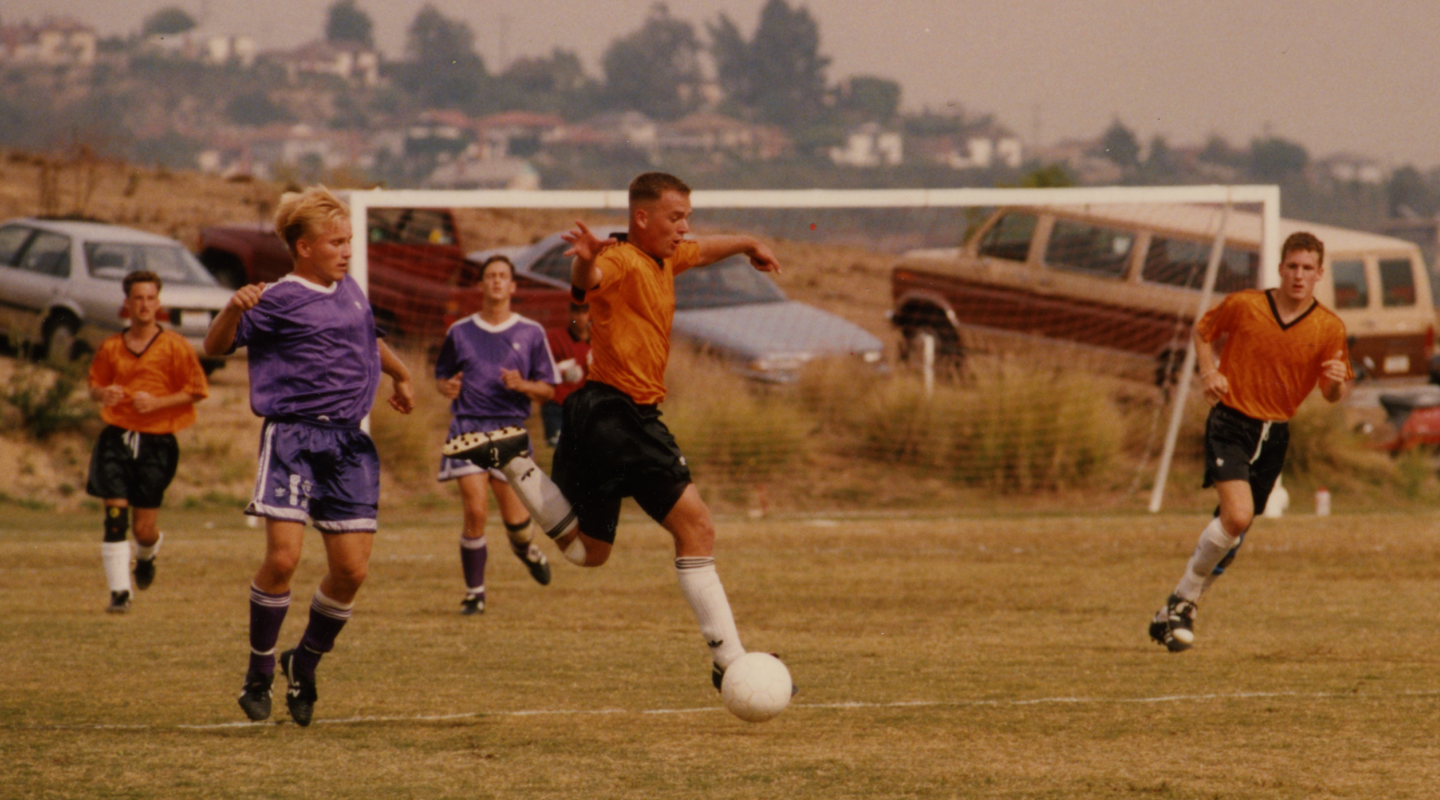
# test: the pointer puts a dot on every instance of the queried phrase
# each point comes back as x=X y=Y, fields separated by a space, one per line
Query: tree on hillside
x=443 y=70
x=1274 y=158
x=780 y=74
x=1409 y=194
x=1119 y=145
x=345 y=22
x=656 y=69
x=555 y=84
x=870 y=98
x=167 y=21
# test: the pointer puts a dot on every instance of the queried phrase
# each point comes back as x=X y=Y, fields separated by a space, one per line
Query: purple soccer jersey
x=312 y=352
x=480 y=351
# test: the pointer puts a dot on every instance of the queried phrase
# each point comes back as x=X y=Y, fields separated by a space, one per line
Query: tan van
x=1127 y=278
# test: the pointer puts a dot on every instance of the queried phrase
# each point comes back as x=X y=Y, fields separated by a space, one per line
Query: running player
x=1280 y=344
x=147 y=381
x=315 y=365
x=492 y=366
x=614 y=444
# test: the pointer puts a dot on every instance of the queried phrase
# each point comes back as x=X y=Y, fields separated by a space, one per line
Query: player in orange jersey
x=1279 y=345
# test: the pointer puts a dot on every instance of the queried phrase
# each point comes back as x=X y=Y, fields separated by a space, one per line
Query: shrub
x=44 y=401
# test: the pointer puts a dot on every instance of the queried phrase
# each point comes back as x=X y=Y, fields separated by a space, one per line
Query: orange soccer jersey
x=1272 y=367
x=631 y=310
x=167 y=366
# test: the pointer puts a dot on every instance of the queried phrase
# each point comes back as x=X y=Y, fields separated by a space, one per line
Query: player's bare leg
x=146 y=523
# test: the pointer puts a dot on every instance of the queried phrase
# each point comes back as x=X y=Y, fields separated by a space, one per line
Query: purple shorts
x=452 y=468
x=328 y=473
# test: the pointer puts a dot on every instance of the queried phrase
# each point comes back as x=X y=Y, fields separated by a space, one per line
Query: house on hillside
x=980 y=148
x=348 y=61
x=709 y=133
x=1350 y=168
x=870 y=145
x=207 y=47
x=518 y=133
x=54 y=42
x=470 y=174
x=1079 y=157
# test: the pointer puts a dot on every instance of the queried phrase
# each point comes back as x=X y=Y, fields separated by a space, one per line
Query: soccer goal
x=1029 y=339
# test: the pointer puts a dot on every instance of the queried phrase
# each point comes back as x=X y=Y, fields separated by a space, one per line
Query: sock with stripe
x=473 y=555
x=267 y=614
x=327 y=618
x=700 y=584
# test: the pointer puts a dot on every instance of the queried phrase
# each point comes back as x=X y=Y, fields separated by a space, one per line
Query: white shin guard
x=116 y=556
x=1214 y=543
x=547 y=506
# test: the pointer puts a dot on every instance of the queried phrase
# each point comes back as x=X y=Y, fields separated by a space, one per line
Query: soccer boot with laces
x=1174 y=624
x=255 y=697
x=144 y=572
x=472 y=604
x=534 y=560
x=300 y=695
x=119 y=603
x=489 y=449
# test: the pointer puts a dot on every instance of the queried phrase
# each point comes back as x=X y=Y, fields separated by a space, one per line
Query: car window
x=1009 y=238
x=1182 y=262
x=731 y=282
x=1397 y=282
x=554 y=264
x=1349 y=279
x=1083 y=247
x=173 y=263
x=12 y=239
x=48 y=254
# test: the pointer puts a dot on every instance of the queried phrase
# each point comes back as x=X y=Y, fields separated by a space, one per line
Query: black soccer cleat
x=119 y=603
x=534 y=561
x=1174 y=625
x=255 y=697
x=490 y=449
x=300 y=694
x=144 y=572
x=472 y=604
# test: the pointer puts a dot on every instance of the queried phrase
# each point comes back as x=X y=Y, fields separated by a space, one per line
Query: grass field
x=954 y=657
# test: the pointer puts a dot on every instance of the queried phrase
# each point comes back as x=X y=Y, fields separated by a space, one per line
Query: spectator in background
x=571 y=348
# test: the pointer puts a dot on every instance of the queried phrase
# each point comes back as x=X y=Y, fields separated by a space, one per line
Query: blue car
x=730 y=309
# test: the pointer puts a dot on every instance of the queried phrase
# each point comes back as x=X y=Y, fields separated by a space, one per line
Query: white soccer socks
x=547 y=506
x=700 y=584
x=146 y=552
x=116 y=556
x=1214 y=543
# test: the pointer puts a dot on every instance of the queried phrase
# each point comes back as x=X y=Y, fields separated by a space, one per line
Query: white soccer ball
x=756 y=687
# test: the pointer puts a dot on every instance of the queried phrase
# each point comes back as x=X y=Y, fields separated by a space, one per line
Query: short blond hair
x=306 y=213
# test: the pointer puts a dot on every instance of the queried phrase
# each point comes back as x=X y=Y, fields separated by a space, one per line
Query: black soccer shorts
x=610 y=448
x=132 y=465
x=1241 y=448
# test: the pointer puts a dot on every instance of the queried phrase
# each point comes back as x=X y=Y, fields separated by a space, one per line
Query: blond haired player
x=614 y=444
x=1279 y=344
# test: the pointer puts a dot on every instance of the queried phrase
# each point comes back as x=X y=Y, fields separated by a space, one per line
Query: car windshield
x=173 y=263
x=731 y=282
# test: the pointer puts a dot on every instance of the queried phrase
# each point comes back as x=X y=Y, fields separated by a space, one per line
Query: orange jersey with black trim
x=167 y=365
x=1272 y=367
x=631 y=311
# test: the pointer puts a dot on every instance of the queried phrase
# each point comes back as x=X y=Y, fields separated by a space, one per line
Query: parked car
x=419 y=278
x=1126 y=279
x=61 y=285
x=727 y=308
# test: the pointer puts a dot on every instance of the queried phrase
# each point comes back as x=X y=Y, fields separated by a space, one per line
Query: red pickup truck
x=420 y=280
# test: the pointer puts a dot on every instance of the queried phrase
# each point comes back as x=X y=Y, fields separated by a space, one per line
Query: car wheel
x=62 y=343
x=949 y=352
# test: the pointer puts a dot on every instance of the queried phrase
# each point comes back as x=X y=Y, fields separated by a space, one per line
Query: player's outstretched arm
x=221 y=336
x=716 y=248
x=585 y=246
x=403 y=397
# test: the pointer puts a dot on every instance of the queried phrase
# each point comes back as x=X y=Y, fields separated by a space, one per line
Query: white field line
x=844 y=706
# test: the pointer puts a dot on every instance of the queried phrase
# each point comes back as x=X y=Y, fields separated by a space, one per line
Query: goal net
x=920 y=346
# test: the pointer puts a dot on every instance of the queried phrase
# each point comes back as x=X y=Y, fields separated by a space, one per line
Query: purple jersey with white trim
x=312 y=351
x=480 y=351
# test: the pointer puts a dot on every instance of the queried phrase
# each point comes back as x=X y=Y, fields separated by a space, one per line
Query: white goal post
x=1265 y=197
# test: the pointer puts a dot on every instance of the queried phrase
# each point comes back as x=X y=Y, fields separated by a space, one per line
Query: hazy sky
x=1334 y=75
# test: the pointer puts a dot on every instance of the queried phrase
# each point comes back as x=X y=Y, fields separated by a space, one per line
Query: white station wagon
x=60 y=285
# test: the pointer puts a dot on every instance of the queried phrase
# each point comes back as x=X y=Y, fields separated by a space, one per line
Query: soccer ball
x=756 y=687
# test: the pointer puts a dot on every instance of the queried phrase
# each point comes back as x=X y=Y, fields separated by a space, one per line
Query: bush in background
x=42 y=401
